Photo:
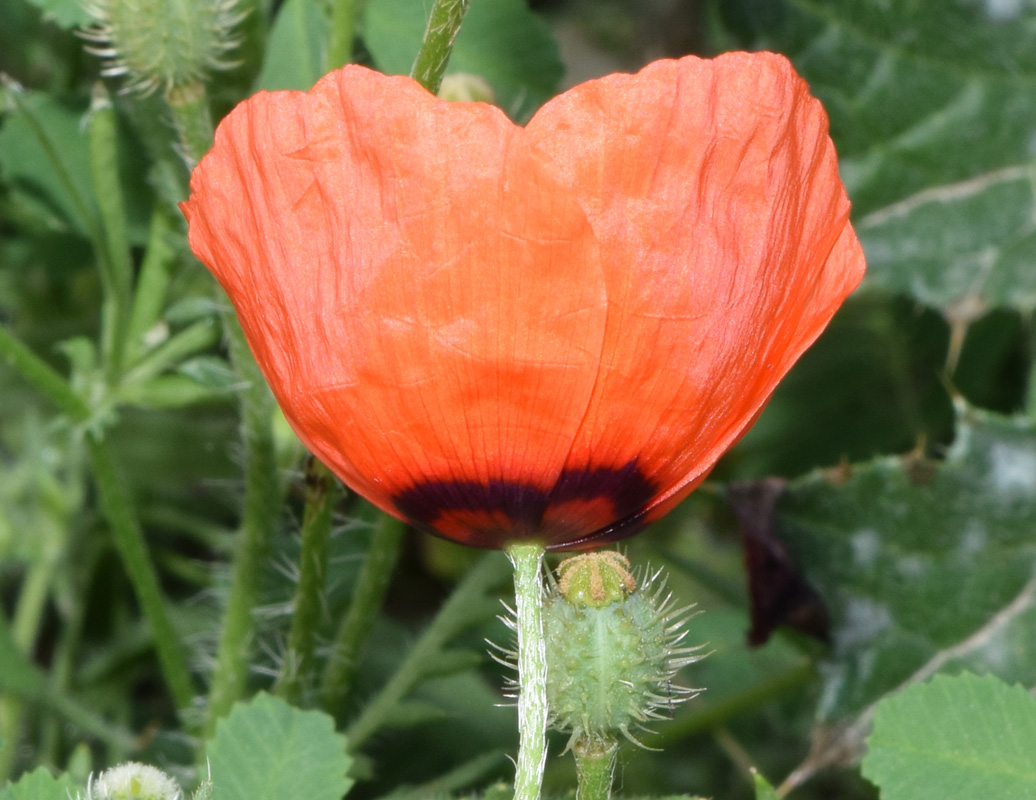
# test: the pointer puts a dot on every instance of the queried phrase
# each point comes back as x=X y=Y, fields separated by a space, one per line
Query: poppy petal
x=425 y=298
x=713 y=190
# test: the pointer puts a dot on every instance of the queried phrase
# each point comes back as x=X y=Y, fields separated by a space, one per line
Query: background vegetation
x=153 y=505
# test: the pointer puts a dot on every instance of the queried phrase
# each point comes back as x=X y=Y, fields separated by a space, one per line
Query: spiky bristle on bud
x=162 y=43
x=613 y=649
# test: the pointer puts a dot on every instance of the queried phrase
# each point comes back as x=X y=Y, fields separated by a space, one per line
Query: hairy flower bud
x=162 y=43
x=133 y=781
x=613 y=649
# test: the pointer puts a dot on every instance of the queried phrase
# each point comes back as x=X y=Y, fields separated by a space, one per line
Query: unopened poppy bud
x=613 y=649
x=463 y=86
x=162 y=43
x=133 y=781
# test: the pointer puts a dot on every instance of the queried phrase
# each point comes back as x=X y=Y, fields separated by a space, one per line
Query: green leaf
x=501 y=41
x=39 y=785
x=66 y=14
x=955 y=738
x=45 y=158
x=933 y=108
x=266 y=749
x=923 y=565
x=40 y=188
x=295 y=50
x=763 y=790
x=961 y=248
x=18 y=676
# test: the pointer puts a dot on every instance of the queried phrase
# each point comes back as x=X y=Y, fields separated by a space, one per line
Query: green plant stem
x=150 y=291
x=466 y=605
x=259 y=515
x=527 y=559
x=190 y=107
x=595 y=765
x=368 y=595
x=129 y=541
x=115 y=503
x=442 y=29
x=343 y=27
x=321 y=493
x=115 y=262
x=193 y=339
x=41 y=376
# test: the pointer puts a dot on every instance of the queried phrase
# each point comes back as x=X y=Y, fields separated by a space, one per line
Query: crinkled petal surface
x=552 y=332
x=713 y=191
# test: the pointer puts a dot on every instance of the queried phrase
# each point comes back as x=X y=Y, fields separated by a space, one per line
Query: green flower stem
x=150 y=293
x=129 y=538
x=29 y=608
x=443 y=27
x=595 y=765
x=32 y=598
x=368 y=595
x=532 y=669
x=129 y=541
x=192 y=339
x=465 y=606
x=261 y=505
x=44 y=378
x=190 y=107
x=321 y=494
x=116 y=265
x=343 y=27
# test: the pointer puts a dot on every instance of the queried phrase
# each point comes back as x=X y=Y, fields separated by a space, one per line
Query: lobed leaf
x=268 y=749
x=38 y=785
x=923 y=565
x=954 y=737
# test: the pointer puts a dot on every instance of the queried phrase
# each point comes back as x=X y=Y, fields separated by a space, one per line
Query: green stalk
x=343 y=27
x=193 y=339
x=368 y=595
x=44 y=378
x=150 y=292
x=261 y=505
x=527 y=559
x=595 y=765
x=443 y=27
x=466 y=605
x=116 y=265
x=115 y=503
x=190 y=107
x=316 y=530
x=129 y=541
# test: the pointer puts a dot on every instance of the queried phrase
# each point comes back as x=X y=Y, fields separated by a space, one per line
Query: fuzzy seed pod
x=613 y=649
x=164 y=44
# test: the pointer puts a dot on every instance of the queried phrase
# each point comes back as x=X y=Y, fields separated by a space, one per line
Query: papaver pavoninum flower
x=547 y=332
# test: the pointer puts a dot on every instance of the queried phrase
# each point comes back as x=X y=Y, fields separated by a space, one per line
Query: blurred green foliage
x=906 y=434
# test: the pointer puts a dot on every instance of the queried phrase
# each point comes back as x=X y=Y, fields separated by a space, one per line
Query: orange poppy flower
x=553 y=331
